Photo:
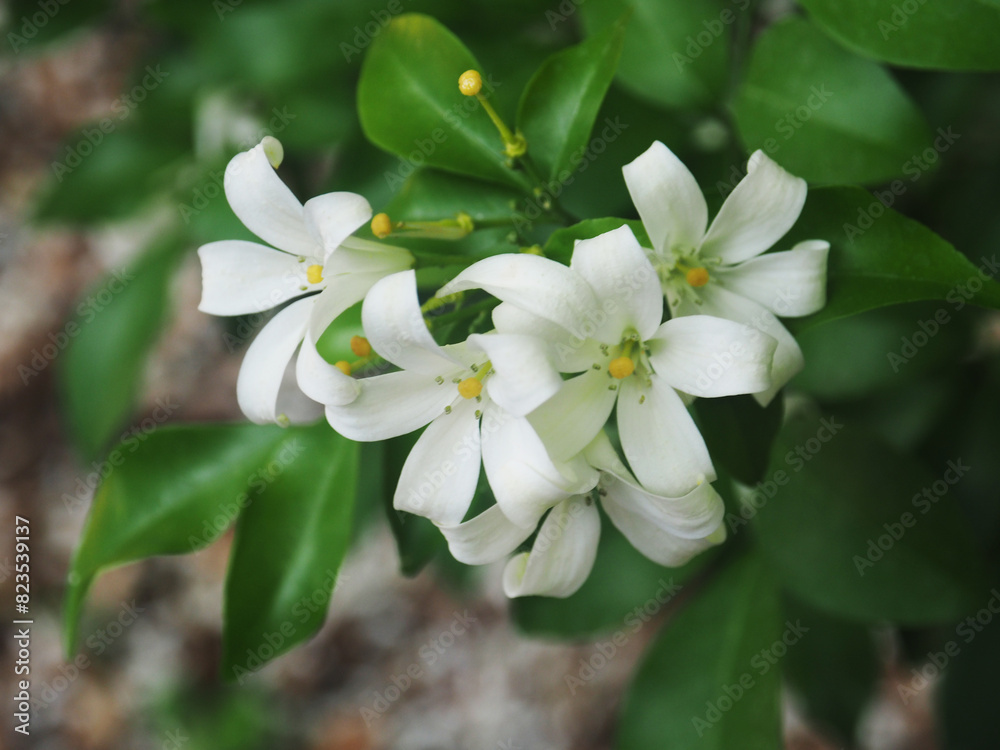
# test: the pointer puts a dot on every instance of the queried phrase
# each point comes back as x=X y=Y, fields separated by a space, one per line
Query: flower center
x=470 y=388
x=621 y=367
x=314 y=273
x=360 y=346
x=697 y=277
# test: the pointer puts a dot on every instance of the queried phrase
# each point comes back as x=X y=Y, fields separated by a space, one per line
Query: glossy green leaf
x=957 y=35
x=834 y=670
x=711 y=679
x=429 y=195
x=561 y=102
x=807 y=115
x=288 y=547
x=739 y=433
x=623 y=592
x=856 y=530
x=171 y=491
x=410 y=105
x=676 y=51
x=879 y=257
x=107 y=342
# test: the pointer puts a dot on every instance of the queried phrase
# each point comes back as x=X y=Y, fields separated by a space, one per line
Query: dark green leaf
x=710 y=678
x=958 y=35
x=429 y=195
x=807 y=115
x=739 y=433
x=675 y=52
x=116 y=326
x=410 y=105
x=560 y=244
x=288 y=547
x=168 y=492
x=856 y=530
x=560 y=103
x=879 y=257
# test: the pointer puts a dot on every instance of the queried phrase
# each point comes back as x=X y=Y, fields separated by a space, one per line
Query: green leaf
x=856 y=530
x=623 y=591
x=806 y=115
x=957 y=35
x=429 y=195
x=739 y=433
x=289 y=544
x=410 y=105
x=560 y=243
x=879 y=257
x=834 y=669
x=706 y=681
x=676 y=51
x=168 y=492
x=116 y=325
x=561 y=102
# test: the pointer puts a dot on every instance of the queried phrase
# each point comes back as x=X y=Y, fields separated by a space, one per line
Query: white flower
x=721 y=271
x=668 y=530
x=474 y=396
x=315 y=253
x=601 y=317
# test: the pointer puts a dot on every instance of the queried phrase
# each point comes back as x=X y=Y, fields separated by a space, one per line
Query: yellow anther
x=381 y=226
x=273 y=150
x=621 y=367
x=344 y=366
x=360 y=346
x=470 y=388
x=697 y=277
x=314 y=273
x=470 y=82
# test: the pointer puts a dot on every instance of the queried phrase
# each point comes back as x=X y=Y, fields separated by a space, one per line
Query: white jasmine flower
x=721 y=270
x=668 y=530
x=601 y=317
x=473 y=397
x=311 y=251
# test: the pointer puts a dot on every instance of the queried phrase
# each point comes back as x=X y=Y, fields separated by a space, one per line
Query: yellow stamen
x=381 y=226
x=470 y=82
x=621 y=367
x=344 y=366
x=314 y=274
x=360 y=346
x=697 y=277
x=470 y=388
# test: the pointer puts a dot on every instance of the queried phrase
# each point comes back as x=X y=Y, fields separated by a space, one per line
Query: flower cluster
x=530 y=397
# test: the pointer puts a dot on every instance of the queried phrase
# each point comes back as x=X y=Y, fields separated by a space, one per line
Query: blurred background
x=117 y=120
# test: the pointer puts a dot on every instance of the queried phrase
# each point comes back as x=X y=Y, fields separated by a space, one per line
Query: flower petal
x=488 y=537
x=265 y=205
x=264 y=364
x=787 y=357
x=320 y=380
x=568 y=421
x=523 y=377
x=712 y=357
x=757 y=214
x=562 y=555
x=391 y=405
x=356 y=255
x=440 y=475
x=341 y=293
x=334 y=217
x=789 y=284
x=568 y=353
x=660 y=440
x=668 y=199
x=396 y=329
x=524 y=480
x=537 y=285
x=239 y=277
x=624 y=281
